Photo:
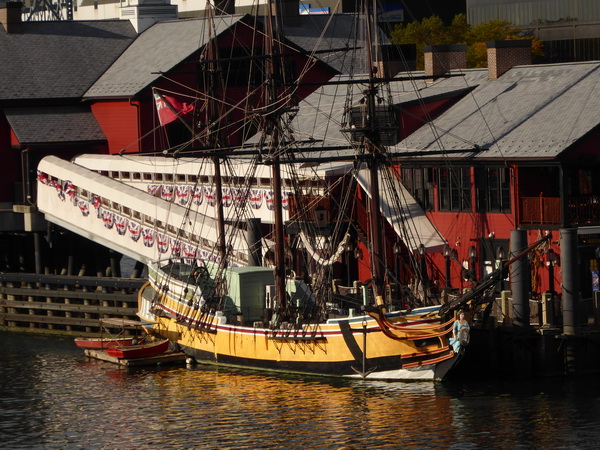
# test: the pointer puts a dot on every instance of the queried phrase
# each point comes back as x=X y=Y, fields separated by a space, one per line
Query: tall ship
x=249 y=221
x=288 y=317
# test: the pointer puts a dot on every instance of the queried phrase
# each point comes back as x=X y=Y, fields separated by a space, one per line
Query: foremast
x=373 y=146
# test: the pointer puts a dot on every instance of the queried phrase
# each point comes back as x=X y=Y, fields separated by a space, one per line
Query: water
x=51 y=396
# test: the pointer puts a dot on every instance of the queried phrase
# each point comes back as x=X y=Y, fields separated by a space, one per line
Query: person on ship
x=460 y=332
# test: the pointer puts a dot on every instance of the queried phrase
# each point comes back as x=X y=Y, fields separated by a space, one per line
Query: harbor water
x=52 y=396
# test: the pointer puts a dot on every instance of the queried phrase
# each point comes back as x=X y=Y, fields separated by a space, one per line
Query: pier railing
x=69 y=305
x=584 y=210
x=540 y=210
x=581 y=210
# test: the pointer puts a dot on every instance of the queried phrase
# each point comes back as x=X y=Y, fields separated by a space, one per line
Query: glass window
x=419 y=182
x=454 y=185
x=493 y=189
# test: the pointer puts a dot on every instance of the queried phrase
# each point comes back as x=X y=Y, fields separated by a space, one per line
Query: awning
x=410 y=219
x=54 y=124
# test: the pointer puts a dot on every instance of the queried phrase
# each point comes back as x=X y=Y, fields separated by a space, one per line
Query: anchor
x=364 y=372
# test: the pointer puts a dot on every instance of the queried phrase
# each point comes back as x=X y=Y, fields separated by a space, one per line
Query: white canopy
x=409 y=217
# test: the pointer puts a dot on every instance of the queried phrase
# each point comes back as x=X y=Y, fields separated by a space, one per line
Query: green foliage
x=432 y=31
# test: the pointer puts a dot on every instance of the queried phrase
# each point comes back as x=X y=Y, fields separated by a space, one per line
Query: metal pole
x=570 y=293
x=520 y=277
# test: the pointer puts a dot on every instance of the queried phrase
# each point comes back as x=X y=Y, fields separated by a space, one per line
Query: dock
x=165 y=358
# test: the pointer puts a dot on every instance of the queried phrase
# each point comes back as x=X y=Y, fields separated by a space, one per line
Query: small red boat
x=140 y=350
x=102 y=343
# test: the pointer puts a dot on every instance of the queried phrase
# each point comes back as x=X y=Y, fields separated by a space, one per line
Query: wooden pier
x=165 y=358
x=64 y=305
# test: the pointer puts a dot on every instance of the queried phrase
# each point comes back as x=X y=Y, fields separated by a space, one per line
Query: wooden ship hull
x=405 y=346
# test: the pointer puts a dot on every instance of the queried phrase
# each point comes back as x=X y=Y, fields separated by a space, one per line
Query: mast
x=272 y=128
x=214 y=138
x=372 y=144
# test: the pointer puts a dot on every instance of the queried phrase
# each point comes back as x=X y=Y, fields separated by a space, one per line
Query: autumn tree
x=432 y=31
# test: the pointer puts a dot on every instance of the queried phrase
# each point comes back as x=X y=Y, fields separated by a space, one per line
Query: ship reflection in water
x=53 y=397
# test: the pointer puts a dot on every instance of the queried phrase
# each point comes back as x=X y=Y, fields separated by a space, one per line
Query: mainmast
x=213 y=137
x=273 y=129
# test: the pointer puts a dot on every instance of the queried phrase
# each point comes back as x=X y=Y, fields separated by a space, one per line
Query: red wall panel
x=119 y=122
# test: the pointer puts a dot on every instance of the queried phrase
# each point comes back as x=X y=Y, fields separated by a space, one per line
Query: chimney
x=439 y=59
x=289 y=12
x=396 y=59
x=504 y=55
x=10 y=17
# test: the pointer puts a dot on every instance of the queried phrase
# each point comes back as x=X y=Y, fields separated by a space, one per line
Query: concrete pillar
x=570 y=292
x=520 y=278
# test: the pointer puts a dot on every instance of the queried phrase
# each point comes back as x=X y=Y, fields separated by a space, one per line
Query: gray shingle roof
x=158 y=49
x=320 y=114
x=529 y=112
x=57 y=60
x=45 y=125
x=343 y=32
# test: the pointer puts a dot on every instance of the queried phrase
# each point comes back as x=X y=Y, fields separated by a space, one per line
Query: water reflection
x=53 y=397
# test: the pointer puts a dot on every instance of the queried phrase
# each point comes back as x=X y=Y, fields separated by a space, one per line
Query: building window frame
x=454 y=189
x=493 y=189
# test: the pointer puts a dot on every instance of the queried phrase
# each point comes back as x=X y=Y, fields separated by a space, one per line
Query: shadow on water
x=54 y=397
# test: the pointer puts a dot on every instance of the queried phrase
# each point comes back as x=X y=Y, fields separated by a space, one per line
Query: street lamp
x=397 y=250
x=550 y=262
x=501 y=257
x=421 y=250
x=447 y=255
x=349 y=254
x=473 y=260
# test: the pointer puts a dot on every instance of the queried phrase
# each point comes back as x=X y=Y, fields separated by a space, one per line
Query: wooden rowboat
x=103 y=343
x=140 y=350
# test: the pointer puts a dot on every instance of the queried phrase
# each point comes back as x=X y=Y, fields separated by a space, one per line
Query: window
x=493 y=189
x=454 y=185
x=585 y=181
x=419 y=182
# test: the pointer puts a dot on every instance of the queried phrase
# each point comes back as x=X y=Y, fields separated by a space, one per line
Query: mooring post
x=570 y=293
x=520 y=278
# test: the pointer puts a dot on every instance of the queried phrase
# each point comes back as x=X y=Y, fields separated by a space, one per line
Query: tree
x=432 y=31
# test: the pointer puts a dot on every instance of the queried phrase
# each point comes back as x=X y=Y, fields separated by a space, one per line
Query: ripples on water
x=52 y=397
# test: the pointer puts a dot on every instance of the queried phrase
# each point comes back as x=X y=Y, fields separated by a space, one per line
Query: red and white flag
x=168 y=108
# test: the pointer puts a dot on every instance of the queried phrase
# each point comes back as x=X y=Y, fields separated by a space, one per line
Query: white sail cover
x=410 y=217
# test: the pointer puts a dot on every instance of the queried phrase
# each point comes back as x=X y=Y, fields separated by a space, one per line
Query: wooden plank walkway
x=165 y=358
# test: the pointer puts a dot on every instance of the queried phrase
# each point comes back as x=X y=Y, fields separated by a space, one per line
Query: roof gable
x=54 y=124
x=57 y=60
x=157 y=50
x=534 y=112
